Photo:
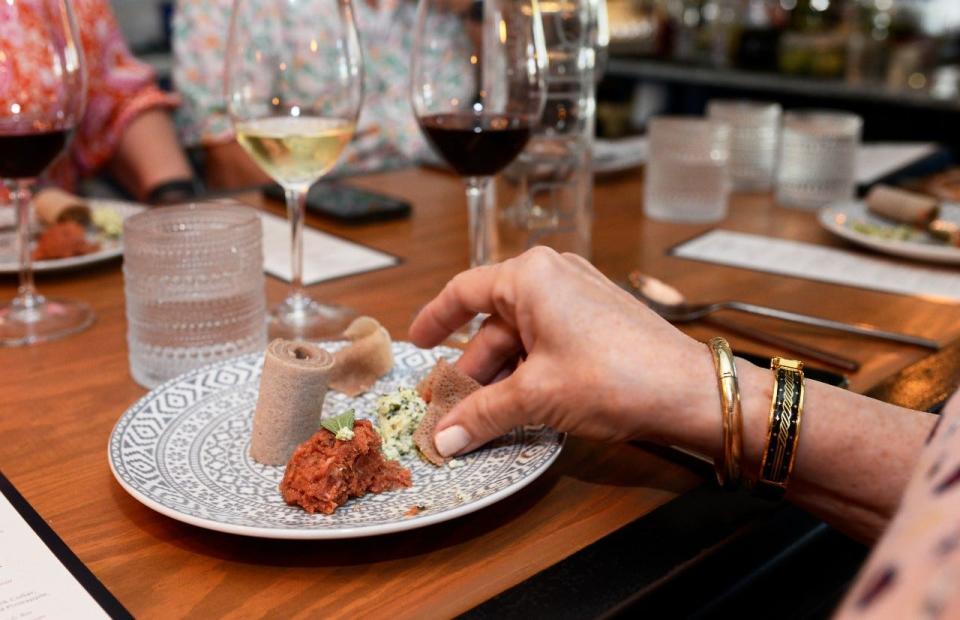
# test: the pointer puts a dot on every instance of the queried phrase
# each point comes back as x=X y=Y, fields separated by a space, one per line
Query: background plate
x=109 y=248
x=183 y=450
x=839 y=219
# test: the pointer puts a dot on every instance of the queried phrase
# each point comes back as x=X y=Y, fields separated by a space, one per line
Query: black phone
x=346 y=204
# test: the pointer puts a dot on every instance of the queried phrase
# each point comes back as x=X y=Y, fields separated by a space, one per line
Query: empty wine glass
x=294 y=85
x=42 y=96
x=477 y=88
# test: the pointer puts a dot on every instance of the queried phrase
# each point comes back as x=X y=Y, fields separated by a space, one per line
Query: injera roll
x=902 y=206
x=54 y=205
x=292 y=388
x=367 y=358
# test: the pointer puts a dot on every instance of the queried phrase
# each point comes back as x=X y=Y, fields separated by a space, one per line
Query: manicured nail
x=451 y=440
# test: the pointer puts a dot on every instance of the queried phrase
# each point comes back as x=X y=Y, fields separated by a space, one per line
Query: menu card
x=876 y=160
x=39 y=576
x=826 y=264
x=325 y=256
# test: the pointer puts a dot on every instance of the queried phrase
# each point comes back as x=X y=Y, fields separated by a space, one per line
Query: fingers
x=467 y=294
x=496 y=345
x=486 y=414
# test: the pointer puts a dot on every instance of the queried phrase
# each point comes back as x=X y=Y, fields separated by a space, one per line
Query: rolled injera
x=54 y=205
x=292 y=388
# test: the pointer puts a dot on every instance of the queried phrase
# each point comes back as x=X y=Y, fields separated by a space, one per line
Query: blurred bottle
x=546 y=196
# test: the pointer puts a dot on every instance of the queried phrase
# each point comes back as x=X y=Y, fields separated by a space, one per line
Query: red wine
x=26 y=155
x=476 y=145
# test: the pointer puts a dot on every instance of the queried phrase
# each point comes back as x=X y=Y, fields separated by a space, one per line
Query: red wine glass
x=477 y=88
x=42 y=96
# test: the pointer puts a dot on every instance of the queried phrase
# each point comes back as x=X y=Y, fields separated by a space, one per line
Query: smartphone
x=346 y=204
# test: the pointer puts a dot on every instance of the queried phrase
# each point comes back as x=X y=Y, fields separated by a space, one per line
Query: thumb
x=486 y=414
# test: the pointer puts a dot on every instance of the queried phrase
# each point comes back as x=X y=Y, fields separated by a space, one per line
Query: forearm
x=854 y=457
x=149 y=154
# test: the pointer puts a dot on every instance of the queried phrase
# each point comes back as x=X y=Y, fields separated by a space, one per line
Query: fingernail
x=451 y=440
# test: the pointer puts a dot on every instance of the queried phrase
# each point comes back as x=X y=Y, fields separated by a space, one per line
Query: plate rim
x=943 y=255
x=316 y=533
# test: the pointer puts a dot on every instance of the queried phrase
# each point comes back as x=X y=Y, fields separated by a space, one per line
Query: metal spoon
x=669 y=303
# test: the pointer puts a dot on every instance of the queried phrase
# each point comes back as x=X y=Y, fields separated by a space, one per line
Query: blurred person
x=387 y=134
x=126 y=128
x=565 y=347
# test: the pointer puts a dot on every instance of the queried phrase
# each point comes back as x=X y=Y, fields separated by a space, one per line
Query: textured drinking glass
x=687 y=177
x=754 y=141
x=193 y=279
x=818 y=158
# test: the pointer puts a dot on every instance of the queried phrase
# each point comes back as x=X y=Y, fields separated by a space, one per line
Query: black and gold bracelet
x=783 y=433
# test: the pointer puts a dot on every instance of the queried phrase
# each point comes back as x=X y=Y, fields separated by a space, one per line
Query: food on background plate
x=293 y=386
x=108 y=221
x=398 y=416
x=442 y=389
x=53 y=205
x=63 y=240
x=902 y=206
x=333 y=465
x=368 y=357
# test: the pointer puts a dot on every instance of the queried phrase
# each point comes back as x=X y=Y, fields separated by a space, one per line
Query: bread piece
x=367 y=358
x=902 y=206
x=443 y=388
x=54 y=205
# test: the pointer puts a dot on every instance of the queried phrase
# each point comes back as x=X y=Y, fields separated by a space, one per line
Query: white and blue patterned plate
x=183 y=450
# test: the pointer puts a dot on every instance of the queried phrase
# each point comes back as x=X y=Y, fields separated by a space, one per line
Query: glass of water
x=194 y=287
x=754 y=141
x=687 y=177
x=818 y=157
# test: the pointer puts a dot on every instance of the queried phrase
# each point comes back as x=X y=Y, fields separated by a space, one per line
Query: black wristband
x=171 y=192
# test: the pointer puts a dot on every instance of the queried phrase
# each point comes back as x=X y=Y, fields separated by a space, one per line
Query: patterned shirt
x=387 y=132
x=914 y=571
x=119 y=87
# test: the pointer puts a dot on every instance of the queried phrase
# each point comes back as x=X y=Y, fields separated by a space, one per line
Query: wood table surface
x=60 y=400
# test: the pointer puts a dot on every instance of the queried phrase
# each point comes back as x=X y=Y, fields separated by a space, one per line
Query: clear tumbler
x=754 y=141
x=818 y=157
x=194 y=286
x=687 y=178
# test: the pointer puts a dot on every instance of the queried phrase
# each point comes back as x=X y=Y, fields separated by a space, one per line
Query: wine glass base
x=301 y=318
x=41 y=320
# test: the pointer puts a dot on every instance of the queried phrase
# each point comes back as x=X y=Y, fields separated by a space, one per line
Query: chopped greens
x=340 y=425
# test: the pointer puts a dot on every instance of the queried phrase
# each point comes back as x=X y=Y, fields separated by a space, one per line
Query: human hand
x=593 y=361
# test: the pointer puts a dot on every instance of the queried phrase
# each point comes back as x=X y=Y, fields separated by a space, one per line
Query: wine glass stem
x=296 y=208
x=477 y=197
x=27 y=297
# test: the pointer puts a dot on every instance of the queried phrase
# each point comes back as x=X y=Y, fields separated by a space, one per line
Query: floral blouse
x=119 y=87
x=387 y=133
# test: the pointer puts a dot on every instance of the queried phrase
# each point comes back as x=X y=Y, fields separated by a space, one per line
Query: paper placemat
x=876 y=160
x=325 y=256
x=825 y=264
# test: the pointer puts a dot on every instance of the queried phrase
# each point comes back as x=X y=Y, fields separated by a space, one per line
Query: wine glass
x=477 y=88
x=42 y=97
x=294 y=85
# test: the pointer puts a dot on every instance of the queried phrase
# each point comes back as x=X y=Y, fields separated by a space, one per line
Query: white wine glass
x=42 y=98
x=294 y=86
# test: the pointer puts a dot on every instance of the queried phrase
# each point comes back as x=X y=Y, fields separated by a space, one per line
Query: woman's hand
x=593 y=361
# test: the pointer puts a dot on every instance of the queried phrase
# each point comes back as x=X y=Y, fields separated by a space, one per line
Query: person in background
x=387 y=133
x=565 y=347
x=126 y=128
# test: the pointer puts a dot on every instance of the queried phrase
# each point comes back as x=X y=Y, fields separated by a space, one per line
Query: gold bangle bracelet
x=783 y=430
x=727 y=466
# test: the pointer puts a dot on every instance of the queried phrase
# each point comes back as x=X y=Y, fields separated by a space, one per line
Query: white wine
x=295 y=150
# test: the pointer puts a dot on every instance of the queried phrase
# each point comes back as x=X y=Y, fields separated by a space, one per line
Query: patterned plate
x=183 y=450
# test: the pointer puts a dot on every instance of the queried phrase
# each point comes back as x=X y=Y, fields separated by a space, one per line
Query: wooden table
x=59 y=402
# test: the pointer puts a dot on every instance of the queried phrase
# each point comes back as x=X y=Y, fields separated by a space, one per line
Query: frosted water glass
x=818 y=158
x=754 y=141
x=194 y=286
x=687 y=177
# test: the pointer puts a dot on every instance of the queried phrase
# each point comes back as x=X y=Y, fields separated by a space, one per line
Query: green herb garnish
x=340 y=425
